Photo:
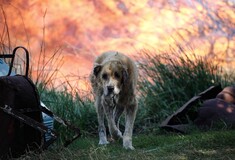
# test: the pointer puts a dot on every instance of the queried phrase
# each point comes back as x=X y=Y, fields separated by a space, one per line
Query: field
x=168 y=79
x=168 y=75
x=197 y=145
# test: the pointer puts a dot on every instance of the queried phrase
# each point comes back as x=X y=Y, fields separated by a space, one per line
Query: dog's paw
x=127 y=144
x=103 y=142
x=129 y=147
x=117 y=135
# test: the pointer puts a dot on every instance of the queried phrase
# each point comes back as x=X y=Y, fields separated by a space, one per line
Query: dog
x=113 y=80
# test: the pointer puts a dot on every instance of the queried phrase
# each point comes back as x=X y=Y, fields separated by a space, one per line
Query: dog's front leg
x=101 y=127
x=109 y=109
x=130 y=118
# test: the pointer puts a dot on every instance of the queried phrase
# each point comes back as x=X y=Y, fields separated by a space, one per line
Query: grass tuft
x=171 y=79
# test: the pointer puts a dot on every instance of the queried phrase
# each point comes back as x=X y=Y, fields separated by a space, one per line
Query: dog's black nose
x=110 y=89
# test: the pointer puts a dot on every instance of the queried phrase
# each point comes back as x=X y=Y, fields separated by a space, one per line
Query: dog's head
x=112 y=75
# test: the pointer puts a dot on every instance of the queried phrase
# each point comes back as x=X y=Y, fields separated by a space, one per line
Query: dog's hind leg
x=101 y=127
x=117 y=113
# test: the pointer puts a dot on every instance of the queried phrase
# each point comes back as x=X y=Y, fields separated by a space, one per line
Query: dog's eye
x=116 y=75
x=105 y=76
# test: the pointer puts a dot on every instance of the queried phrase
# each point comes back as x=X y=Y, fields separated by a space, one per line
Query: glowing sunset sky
x=86 y=28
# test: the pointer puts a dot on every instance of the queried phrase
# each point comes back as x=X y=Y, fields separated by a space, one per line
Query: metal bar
x=6 y=56
x=27 y=120
x=38 y=126
x=65 y=123
x=60 y=120
x=27 y=60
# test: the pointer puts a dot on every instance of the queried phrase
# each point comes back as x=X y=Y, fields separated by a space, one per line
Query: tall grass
x=172 y=78
x=78 y=111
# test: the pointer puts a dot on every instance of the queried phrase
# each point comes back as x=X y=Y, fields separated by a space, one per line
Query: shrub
x=171 y=79
x=79 y=112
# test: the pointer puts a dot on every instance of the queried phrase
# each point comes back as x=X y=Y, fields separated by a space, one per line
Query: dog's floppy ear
x=97 y=69
x=124 y=75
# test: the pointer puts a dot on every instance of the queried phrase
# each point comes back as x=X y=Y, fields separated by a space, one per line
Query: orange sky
x=87 y=28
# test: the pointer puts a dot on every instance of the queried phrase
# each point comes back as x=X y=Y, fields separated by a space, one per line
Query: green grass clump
x=79 y=112
x=171 y=79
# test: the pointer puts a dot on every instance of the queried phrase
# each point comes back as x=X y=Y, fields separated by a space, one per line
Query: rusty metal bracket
x=31 y=122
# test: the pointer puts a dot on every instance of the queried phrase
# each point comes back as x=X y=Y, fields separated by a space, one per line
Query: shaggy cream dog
x=114 y=79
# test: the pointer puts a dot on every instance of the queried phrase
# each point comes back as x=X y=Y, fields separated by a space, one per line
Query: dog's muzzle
x=109 y=91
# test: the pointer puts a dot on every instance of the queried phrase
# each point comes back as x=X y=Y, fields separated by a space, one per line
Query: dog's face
x=112 y=76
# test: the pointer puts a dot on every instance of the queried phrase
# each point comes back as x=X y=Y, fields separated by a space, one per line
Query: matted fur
x=114 y=79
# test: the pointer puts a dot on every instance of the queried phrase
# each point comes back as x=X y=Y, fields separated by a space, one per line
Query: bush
x=79 y=112
x=171 y=79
